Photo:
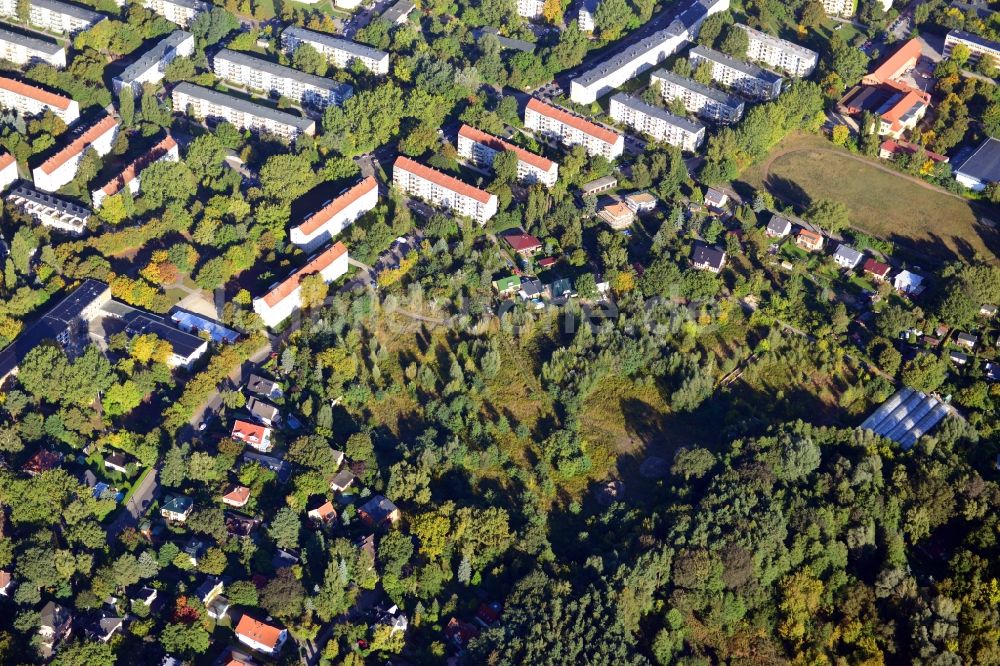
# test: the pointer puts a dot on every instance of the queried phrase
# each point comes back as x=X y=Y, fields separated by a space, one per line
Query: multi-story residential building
x=647 y=53
x=181 y=12
x=335 y=216
x=30 y=100
x=285 y=297
x=338 y=51
x=208 y=103
x=55 y=16
x=530 y=8
x=164 y=150
x=151 y=65
x=480 y=148
x=49 y=210
x=8 y=173
x=398 y=12
x=560 y=125
x=842 y=8
x=743 y=77
x=585 y=15
x=705 y=101
x=60 y=168
x=657 y=123
x=978 y=46
x=22 y=49
x=789 y=57
x=260 y=74
x=443 y=190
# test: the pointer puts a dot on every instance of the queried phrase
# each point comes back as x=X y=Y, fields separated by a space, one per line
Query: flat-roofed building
x=31 y=100
x=185 y=348
x=8 y=174
x=61 y=167
x=208 y=103
x=645 y=54
x=480 y=148
x=49 y=210
x=561 y=125
x=978 y=46
x=262 y=74
x=22 y=49
x=286 y=297
x=335 y=216
x=55 y=16
x=151 y=65
x=181 y=12
x=656 y=122
x=842 y=8
x=530 y=9
x=789 y=57
x=128 y=178
x=705 y=101
x=399 y=12
x=443 y=190
x=743 y=77
x=338 y=51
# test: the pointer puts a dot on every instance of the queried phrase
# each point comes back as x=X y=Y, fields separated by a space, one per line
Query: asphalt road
x=141 y=499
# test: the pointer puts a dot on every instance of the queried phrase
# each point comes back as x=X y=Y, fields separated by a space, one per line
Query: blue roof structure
x=192 y=323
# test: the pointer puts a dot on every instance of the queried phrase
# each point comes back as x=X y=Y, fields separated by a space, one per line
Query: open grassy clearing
x=921 y=220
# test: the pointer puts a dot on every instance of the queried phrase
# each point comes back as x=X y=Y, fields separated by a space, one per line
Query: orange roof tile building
x=443 y=190
x=31 y=100
x=165 y=150
x=285 y=297
x=60 y=168
x=561 y=125
x=336 y=215
x=481 y=148
x=260 y=636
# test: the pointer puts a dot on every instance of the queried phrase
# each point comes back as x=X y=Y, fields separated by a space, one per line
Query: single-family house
x=236 y=496
x=847 y=257
x=264 y=412
x=143 y=595
x=522 y=243
x=906 y=282
x=379 y=510
x=460 y=633
x=876 y=269
x=260 y=636
x=102 y=627
x=530 y=289
x=218 y=607
x=263 y=386
x=194 y=549
x=966 y=340
x=209 y=588
x=716 y=198
x=809 y=240
x=560 y=288
x=338 y=458
x=177 y=508
x=640 y=202
x=42 y=460
x=993 y=372
x=507 y=285
x=988 y=311
x=252 y=434
x=778 y=227
x=546 y=262
x=342 y=480
x=617 y=215
x=958 y=358
x=489 y=614
x=391 y=617
x=6 y=583
x=707 y=258
x=55 y=625
x=323 y=513
x=117 y=461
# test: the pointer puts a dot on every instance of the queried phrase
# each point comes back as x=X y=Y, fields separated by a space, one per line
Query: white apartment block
x=338 y=51
x=560 y=125
x=657 y=123
x=8 y=170
x=55 y=16
x=978 y=47
x=707 y=102
x=480 y=148
x=336 y=215
x=746 y=79
x=49 y=210
x=28 y=50
x=844 y=8
x=164 y=151
x=181 y=12
x=530 y=9
x=260 y=74
x=585 y=15
x=30 y=100
x=442 y=190
x=285 y=297
x=151 y=65
x=789 y=57
x=651 y=51
x=61 y=168
x=207 y=103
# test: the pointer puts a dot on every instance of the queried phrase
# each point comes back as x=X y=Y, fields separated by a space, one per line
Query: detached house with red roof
x=336 y=215
x=260 y=636
x=61 y=168
x=31 y=100
x=563 y=126
x=253 y=435
x=480 y=148
x=876 y=269
x=164 y=150
x=443 y=190
x=523 y=243
x=236 y=496
x=285 y=297
x=809 y=240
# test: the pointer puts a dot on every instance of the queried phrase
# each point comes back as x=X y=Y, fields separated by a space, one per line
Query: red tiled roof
x=129 y=173
x=6 y=159
x=290 y=283
x=239 y=494
x=617 y=210
x=259 y=632
x=522 y=241
x=895 y=63
x=79 y=144
x=811 y=235
x=442 y=179
x=899 y=109
x=546 y=262
x=246 y=431
x=568 y=118
x=324 y=510
x=875 y=267
x=321 y=217
x=34 y=92
x=498 y=144
x=893 y=146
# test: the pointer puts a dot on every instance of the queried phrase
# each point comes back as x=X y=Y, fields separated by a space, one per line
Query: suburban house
x=42 y=460
x=966 y=340
x=522 y=243
x=809 y=240
x=102 y=627
x=323 y=513
x=876 y=269
x=847 y=257
x=640 y=202
x=55 y=625
x=989 y=311
x=507 y=285
x=379 y=510
x=264 y=412
x=263 y=386
x=338 y=457
x=117 y=461
x=143 y=595
x=252 y=434
x=236 y=496
x=707 y=258
x=210 y=588
x=260 y=636
x=335 y=216
x=177 y=508
x=716 y=199
x=957 y=357
x=778 y=227
x=617 y=215
x=342 y=480
x=908 y=283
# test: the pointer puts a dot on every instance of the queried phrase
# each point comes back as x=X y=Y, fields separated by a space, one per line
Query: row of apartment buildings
x=338 y=51
x=61 y=167
x=560 y=125
x=335 y=215
x=207 y=103
x=151 y=65
x=54 y=16
x=128 y=178
x=795 y=60
x=704 y=101
x=745 y=78
x=443 y=190
x=481 y=149
x=656 y=122
x=181 y=12
x=284 y=298
x=31 y=100
x=261 y=74
x=978 y=46
x=22 y=49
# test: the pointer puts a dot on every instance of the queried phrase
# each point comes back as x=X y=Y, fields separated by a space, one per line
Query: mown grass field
x=922 y=221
